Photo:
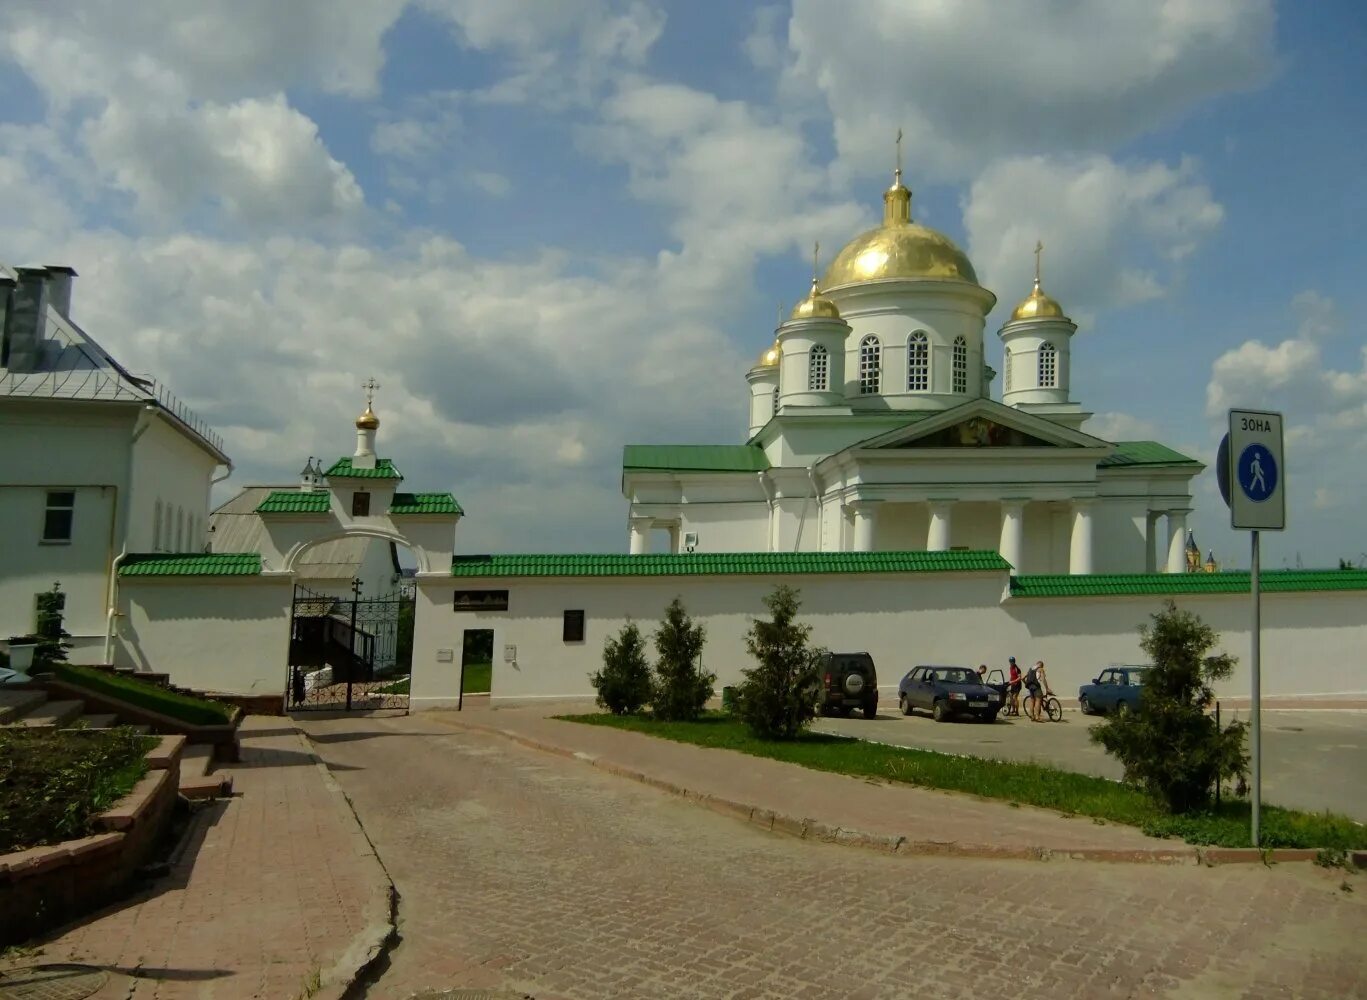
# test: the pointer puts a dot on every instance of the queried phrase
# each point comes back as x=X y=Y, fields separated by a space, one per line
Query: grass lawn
x=52 y=784
x=477 y=678
x=144 y=694
x=1023 y=784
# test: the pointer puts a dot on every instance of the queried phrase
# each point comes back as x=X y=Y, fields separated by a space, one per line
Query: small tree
x=52 y=645
x=681 y=687
x=1172 y=748
x=778 y=697
x=623 y=685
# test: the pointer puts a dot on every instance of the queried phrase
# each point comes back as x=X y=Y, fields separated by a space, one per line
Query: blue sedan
x=1116 y=689
x=948 y=691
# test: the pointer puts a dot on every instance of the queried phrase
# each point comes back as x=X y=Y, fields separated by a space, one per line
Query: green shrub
x=1171 y=747
x=188 y=709
x=778 y=698
x=681 y=687
x=623 y=685
x=52 y=645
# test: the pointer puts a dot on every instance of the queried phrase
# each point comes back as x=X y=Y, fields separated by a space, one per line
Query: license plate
x=977 y=704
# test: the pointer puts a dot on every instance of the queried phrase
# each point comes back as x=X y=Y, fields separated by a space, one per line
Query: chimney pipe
x=27 y=324
x=6 y=297
x=60 y=280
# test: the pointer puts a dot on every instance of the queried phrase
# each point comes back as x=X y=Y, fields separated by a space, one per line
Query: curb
x=805 y=828
x=371 y=944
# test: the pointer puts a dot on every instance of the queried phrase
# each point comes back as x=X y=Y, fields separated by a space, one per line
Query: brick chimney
x=26 y=327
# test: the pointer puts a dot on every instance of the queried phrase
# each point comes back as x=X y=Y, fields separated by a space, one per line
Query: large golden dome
x=899 y=248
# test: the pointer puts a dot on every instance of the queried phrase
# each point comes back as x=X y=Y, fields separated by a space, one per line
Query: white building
x=95 y=463
x=872 y=428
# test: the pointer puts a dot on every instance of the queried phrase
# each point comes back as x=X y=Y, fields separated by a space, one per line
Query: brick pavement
x=269 y=889
x=525 y=871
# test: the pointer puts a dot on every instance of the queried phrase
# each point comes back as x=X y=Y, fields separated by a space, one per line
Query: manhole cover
x=51 y=982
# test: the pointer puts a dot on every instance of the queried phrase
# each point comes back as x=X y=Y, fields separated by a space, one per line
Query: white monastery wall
x=168 y=467
x=740 y=526
x=1118 y=528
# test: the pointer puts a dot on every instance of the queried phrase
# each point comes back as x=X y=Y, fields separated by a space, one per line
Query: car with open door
x=947 y=692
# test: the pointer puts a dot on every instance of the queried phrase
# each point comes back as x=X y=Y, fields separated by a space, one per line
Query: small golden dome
x=1037 y=305
x=768 y=358
x=815 y=306
x=367 y=421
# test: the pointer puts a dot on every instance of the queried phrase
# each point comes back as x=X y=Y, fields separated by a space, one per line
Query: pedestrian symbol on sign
x=1257 y=473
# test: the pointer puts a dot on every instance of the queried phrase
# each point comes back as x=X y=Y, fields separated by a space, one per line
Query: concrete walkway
x=275 y=892
x=818 y=804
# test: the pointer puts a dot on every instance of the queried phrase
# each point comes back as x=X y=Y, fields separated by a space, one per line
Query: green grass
x=1021 y=783
x=52 y=784
x=477 y=678
x=143 y=694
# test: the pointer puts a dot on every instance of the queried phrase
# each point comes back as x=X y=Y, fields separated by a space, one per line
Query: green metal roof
x=295 y=502
x=726 y=563
x=384 y=469
x=1165 y=584
x=191 y=564
x=693 y=458
x=424 y=503
x=1130 y=453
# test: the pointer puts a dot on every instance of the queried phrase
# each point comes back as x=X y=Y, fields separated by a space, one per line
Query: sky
x=549 y=228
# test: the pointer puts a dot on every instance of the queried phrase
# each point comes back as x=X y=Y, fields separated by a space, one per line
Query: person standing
x=1014 y=687
x=1032 y=685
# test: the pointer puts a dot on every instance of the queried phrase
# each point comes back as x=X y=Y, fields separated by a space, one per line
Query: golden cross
x=816 y=256
x=780 y=314
x=370 y=385
x=1039 y=249
x=899 y=154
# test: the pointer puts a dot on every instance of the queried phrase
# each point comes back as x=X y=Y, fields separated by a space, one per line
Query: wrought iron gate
x=349 y=654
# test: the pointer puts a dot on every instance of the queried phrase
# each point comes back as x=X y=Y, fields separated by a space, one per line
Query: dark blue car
x=1116 y=689
x=945 y=692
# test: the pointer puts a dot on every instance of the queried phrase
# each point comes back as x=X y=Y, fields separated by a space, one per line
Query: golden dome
x=1037 y=305
x=815 y=306
x=768 y=358
x=899 y=248
x=367 y=421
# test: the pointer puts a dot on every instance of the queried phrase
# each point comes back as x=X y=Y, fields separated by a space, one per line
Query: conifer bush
x=1172 y=747
x=778 y=698
x=681 y=687
x=623 y=685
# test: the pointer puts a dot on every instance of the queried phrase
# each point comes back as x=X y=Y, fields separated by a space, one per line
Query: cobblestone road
x=524 y=871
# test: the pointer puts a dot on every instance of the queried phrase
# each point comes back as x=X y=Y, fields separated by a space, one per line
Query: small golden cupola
x=1037 y=305
x=815 y=305
x=367 y=421
x=769 y=357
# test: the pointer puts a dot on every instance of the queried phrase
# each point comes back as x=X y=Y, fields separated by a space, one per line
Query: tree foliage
x=52 y=645
x=778 y=697
x=1172 y=747
x=681 y=687
x=623 y=685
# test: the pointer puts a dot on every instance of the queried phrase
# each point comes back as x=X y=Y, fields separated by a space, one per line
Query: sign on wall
x=481 y=600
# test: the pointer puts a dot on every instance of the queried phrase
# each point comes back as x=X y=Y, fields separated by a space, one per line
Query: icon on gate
x=1257 y=473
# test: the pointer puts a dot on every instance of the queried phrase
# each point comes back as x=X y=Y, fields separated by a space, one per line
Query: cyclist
x=1014 y=688
x=1037 y=682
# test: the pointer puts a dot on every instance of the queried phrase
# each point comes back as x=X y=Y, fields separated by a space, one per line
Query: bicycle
x=1053 y=708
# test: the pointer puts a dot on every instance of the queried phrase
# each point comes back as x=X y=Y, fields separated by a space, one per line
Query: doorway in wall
x=477 y=661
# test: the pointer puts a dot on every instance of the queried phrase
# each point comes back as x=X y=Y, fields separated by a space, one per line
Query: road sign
x=1222 y=468
x=1257 y=482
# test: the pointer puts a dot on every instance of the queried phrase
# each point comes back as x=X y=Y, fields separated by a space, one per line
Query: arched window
x=1048 y=366
x=870 y=366
x=1006 y=363
x=156 y=527
x=818 y=369
x=775 y=400
x=960 y=365
x=918 y=362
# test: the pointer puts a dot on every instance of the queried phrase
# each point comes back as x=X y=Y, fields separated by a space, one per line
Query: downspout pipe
x=769 y=496
x=144 y=421
x=816 y=495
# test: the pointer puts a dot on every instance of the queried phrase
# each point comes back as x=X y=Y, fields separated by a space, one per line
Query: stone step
x=15 y=703
x=96 y=720
x=50 y=714
x=196 y=761
x=210 y=786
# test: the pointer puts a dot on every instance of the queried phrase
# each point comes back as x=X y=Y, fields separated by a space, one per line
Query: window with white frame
x=58 y=515
x=960 y=365
x=918 y=362
x=870 y=366
x=1048 y=366
x=1006 y=364
x=818 y=369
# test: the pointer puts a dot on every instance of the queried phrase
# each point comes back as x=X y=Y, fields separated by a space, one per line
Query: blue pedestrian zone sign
x=1257 y=473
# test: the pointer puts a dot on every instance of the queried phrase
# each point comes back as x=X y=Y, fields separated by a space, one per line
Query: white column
x=1151 y=541
x=640 y=535
x=1177 y=540
x=937 y=539
x=1080 y=550
x=865 y=521
x=1013 y=533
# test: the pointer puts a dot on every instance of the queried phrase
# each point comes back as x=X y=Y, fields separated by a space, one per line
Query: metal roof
x=1172 y=584
x=191 y=564
x=424 y=503
x=693 y=458
x=1130 y=453
x=235 y=527
x=725 y=563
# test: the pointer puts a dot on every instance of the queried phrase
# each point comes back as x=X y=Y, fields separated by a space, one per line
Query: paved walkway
x=273 y=892
x=931 y=819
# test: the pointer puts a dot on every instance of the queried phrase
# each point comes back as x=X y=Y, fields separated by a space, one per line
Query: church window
x=960 y=365
x=1006 y=363
x=57 y=517
x=360 y=504
x=918 y=362
x=1048 y=366
x=818 y=369
x=870 y=366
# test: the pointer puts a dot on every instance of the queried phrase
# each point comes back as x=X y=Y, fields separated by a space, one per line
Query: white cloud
x=1114 y=234
x=1115 y=426
x=978 y=79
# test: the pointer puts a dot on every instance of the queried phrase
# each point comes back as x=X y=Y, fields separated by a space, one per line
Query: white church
x=872 y=428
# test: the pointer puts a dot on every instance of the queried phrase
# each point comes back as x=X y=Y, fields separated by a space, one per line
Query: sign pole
x=1255 y=667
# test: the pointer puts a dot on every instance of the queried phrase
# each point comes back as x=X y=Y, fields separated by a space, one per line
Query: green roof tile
x=295 y=502
x=424 y=503
x=1165 y=584
x=1129 y=453
x=342 y=469
x=726 y=563
x=192 y=564
x=693 y=458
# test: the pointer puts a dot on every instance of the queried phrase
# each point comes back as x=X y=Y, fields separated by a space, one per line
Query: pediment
x=976 y=432
x=985 y=424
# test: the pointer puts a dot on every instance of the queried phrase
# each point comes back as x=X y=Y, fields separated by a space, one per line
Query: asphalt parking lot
x=1312 y=759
